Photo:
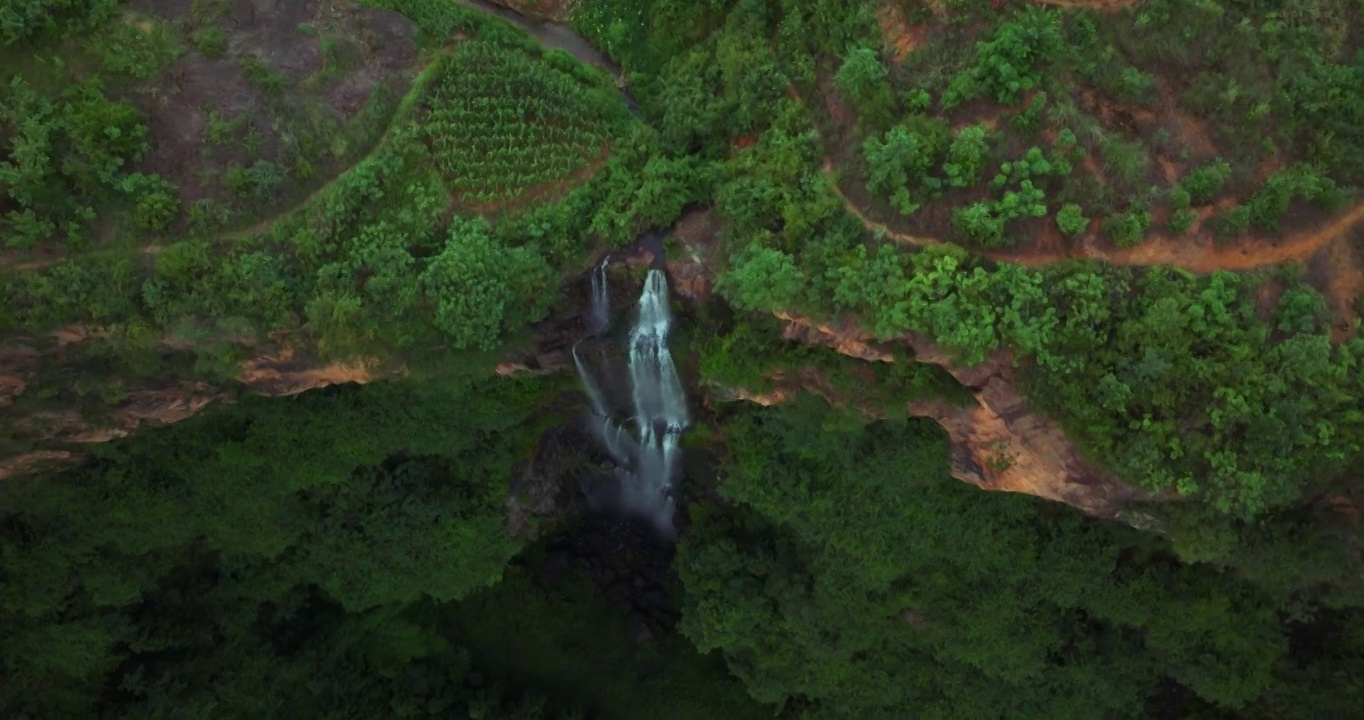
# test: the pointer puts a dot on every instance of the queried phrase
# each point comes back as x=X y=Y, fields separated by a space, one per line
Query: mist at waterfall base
x=643 y=437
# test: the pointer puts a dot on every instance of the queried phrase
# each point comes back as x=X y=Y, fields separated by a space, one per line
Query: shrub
x=1182 y=219
x=257 y=182
x=1231 y=223
x=126 y=48
x=29 y=18
x=1071 y=220
x=1203 y=183
x=966 y=156
x=478 y=287
x=1180 y=198
x=156 y=201
x=1007 y=64
x=263 y=76
x=864 y=78
x=897 y=161
x=1126 y=161
x=918 y=100
x=211 y=42
x=1030 y=119
x=979 y=224
x=1127 y=229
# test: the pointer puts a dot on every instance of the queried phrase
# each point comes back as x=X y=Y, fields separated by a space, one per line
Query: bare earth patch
x=327 y=58
x=900 y=37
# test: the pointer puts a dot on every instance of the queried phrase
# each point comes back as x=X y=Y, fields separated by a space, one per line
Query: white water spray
x=599 y=312
x=649 y=461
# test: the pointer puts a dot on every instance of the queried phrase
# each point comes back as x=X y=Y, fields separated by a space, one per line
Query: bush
x=156 y=201
x=64 y=154
x=979 y=224
x=1180 y=198
x=1182 y=219
x=1007 y=64
x=761 y=279
x=257 y=182
x=211 y=42
x=1231 y=223
x=478 y=287
x=1071 y=220
x=29 y=18
x=1203 y=183
x=261 y=75
x=1270 y=202
x=897 y=162
x=1127 y=229
x=966 y=156
x=864 y=78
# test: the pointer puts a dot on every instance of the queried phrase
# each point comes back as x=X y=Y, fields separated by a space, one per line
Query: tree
x=479 y=287
x=966 y=156
x=897 y=163
x=1071 y=220
x=762 y=279
x=864 y=78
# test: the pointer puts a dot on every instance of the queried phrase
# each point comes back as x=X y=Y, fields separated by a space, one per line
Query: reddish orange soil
x=1202 y=255
x=900 y=37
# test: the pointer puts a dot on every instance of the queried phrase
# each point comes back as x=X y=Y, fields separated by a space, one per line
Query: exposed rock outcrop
x=1000 y=442
x=284 y=374
x=52 y=436
x=692 y=270
x=845 y=340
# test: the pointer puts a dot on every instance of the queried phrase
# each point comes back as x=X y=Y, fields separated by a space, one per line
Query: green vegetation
x=64 y=154
x=349 y=552
x=314 y=535
x=32 y=18
x=854 y=579
x=501 y=124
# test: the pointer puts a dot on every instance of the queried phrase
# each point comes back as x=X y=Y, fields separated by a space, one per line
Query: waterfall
x=593 y=392
x=647 y=463
x=599 y=311
x=657 y=389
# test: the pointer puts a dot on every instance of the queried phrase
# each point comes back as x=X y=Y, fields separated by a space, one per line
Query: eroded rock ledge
x=52 y=437
x=998 y=443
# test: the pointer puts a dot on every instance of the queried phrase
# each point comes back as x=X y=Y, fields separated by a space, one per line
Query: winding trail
x=1099 y=5
x=1196 y=253
x=1202 y=255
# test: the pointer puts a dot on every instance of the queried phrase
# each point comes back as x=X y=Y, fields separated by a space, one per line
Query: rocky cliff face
x=43 y=435
x=1000 y=442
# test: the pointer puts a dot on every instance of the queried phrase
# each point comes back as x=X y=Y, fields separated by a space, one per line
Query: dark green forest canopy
x=346 y=553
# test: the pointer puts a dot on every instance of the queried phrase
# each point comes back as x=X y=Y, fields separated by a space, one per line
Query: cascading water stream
x=599 y=313
x=593 y=392
x=647 y=463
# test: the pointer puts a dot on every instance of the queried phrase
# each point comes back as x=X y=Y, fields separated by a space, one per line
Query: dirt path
x=1195 y=254
x=1202 y=255
x=1100 y=5
x=875 y=227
